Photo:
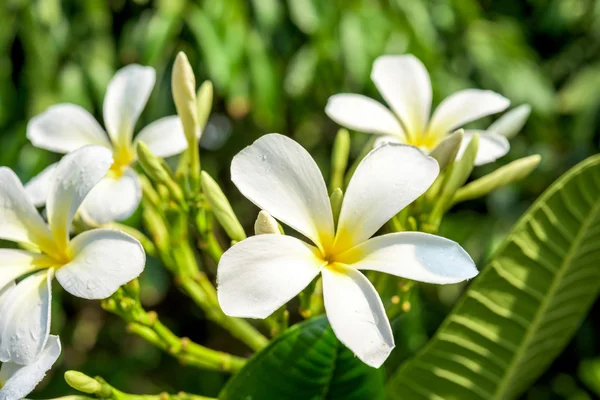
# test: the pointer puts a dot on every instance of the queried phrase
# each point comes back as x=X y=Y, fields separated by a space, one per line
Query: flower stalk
x=184 y=94
x=169 y=229
x=103 y=390
x=125 y=303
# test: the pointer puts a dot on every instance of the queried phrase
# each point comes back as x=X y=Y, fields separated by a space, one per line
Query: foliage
x=274 y=64
x=306 y=362
x=524 y=307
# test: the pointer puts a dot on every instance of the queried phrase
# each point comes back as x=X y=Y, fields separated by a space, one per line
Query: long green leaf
x=524 y=307
x=307 y=362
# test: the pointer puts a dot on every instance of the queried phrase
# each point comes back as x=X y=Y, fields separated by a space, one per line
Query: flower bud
x=445 y=152
x=336 y=199
x=82 y=382
x=183 y=85
x=339 y=158
x=204 y=100
x=151 y=163
x=221 y=208
x=510 y=173
x=266 y=224
x=157 y=171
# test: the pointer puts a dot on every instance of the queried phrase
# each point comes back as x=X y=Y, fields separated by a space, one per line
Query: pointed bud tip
x=266 y=224
x=80 y=381
x=181 y=57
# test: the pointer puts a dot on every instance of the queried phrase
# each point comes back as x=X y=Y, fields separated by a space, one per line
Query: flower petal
x=16 y=263
x=463 y=107
x=4 y=290
x=260 y=274
x=362 y=114
x=404 y=83
x=19 y=220
x=37 y=187
x=103 y=260
x=20 y=380
x=279 y=176
x=413 y=255
x=164 y=137
x=75 y=175
x=381 y=140
x=113 y=198
x=387 y=180
x=65 y=127
x=511 y=123
x=356 y=315
x=25 y=316
x=491 y=146
x=126 y=97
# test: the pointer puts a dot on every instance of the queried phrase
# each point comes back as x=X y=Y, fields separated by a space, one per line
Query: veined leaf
x=524 y=307
x=307 y=362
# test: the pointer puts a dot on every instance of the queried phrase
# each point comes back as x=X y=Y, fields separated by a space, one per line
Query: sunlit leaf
x=521 y=311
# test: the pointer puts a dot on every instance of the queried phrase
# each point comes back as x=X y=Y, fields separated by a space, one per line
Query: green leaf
x=510 y=173
x=307 y=362
x=524 y=307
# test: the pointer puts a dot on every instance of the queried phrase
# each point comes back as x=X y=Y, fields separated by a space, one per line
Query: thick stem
x=148 y=326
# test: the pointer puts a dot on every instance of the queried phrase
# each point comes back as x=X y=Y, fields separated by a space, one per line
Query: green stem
x=206 y=299
x=107 y=391
x=148 y=326
x=170 y=233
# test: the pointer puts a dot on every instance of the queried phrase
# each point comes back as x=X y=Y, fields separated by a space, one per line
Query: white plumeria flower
x=508 y=126
x=260 y=274
x=404 y=83
x=92 y=265
x=17 y=381
x=66 y=127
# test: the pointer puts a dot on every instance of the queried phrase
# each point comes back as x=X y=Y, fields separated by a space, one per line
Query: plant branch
x=147 y=325
x=101 y=389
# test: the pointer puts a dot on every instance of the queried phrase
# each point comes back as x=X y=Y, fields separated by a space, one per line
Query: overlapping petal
x=126 y=97
x=279 y=176
x=387 y=180
x=19 y=220
x=65 y=127
x=103 y=260
x=164 y=137
x=413 y=255
x=491 y=146
x=363 y=114
x=357 y=315
x=511 y=123
x=113 y=198
x=25 y=316
x=260 y=274
x=37 y=187
x=16 y=263
x=20 y=380
x=404 y=83
x=74 y=177
x=465 y=106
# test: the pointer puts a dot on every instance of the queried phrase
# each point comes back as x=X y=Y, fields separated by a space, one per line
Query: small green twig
x=147 y=325
x=101 y=389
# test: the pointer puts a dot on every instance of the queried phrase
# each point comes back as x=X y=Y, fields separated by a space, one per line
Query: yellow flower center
x=123 y=157
x=329 y=257
x=424 y=141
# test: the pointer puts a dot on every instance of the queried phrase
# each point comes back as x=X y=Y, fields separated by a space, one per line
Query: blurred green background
x=274 y=64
